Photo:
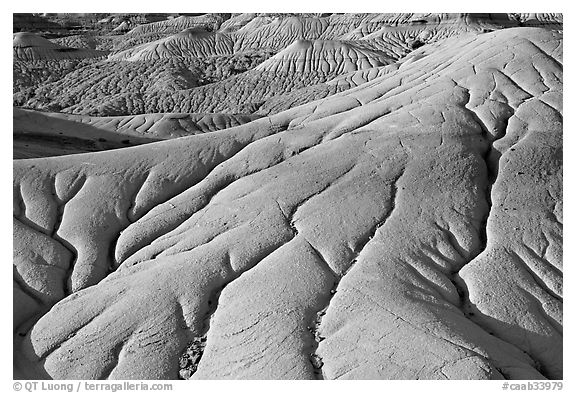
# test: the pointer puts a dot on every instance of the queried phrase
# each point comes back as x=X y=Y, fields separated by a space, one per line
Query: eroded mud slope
x=409 y=227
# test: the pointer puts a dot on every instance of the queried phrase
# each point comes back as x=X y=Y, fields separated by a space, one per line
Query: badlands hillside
x=288 y=196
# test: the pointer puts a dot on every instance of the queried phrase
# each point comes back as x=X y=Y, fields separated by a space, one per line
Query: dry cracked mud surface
x=288 y=196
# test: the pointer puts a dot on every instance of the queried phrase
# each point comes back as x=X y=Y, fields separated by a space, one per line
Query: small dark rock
x=316 y=361
x=416 y=44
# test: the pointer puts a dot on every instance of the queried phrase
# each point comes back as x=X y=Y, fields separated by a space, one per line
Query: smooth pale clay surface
x=418 y=215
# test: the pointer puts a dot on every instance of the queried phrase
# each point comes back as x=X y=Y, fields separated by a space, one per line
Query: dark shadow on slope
x=38 y=145
x=493 y=326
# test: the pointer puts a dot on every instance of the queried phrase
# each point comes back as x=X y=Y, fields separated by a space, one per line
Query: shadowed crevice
x=316 y=324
